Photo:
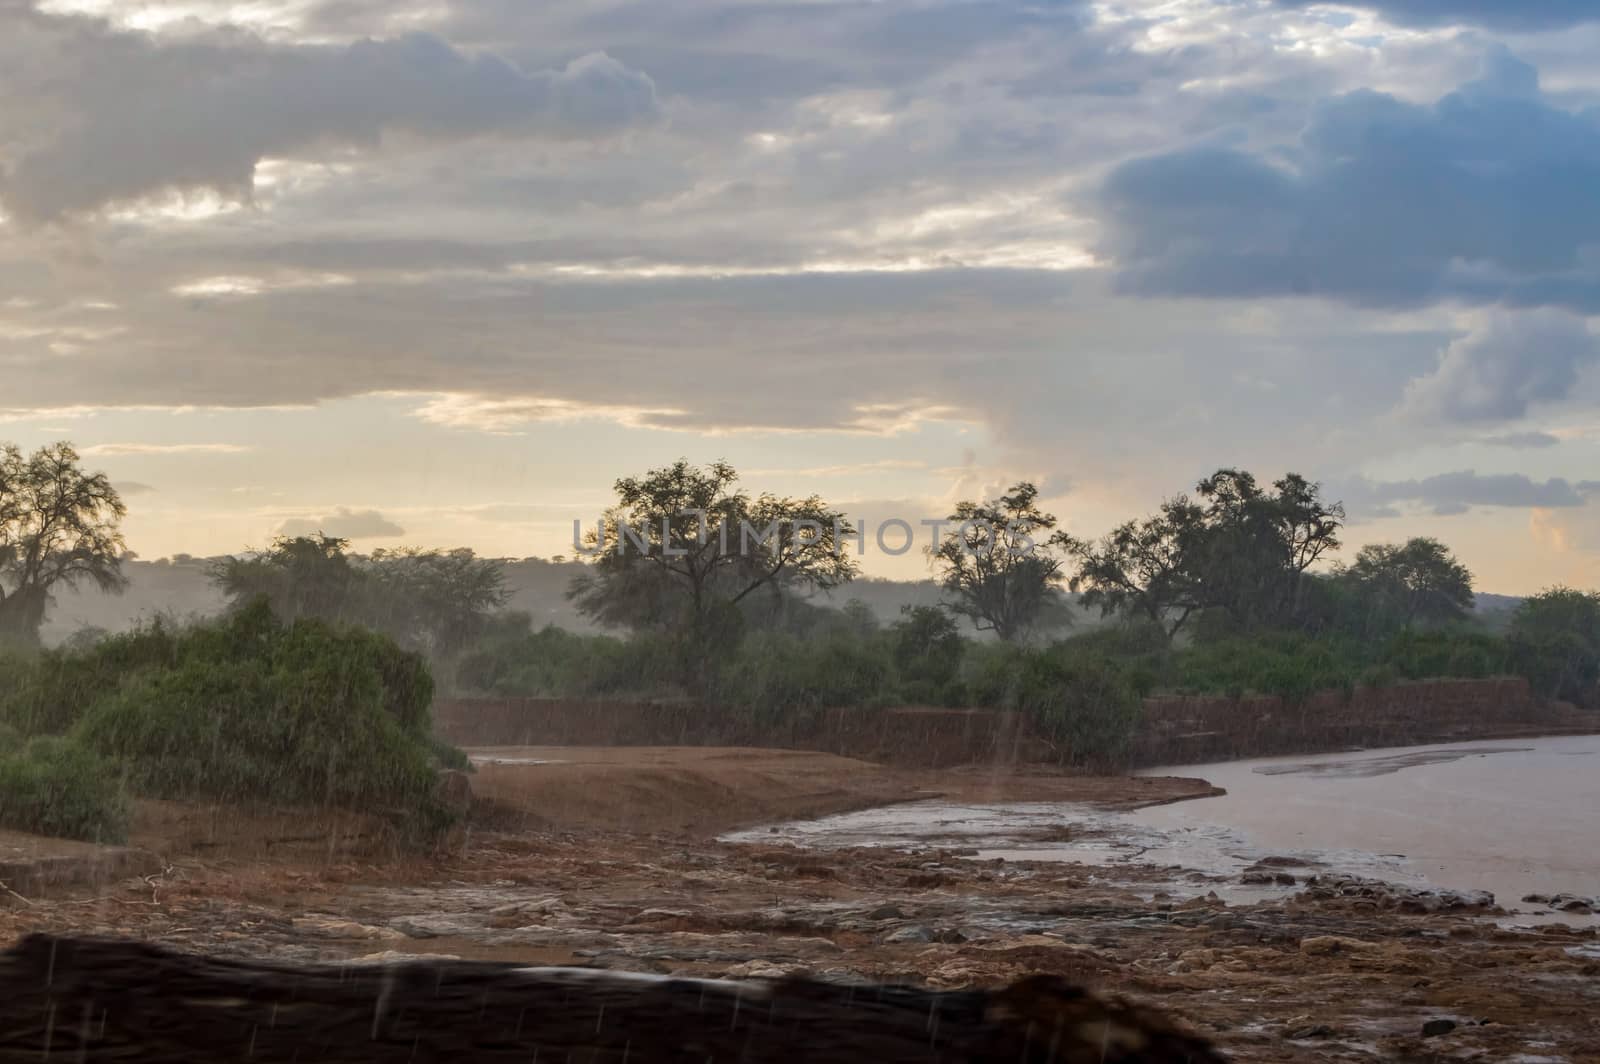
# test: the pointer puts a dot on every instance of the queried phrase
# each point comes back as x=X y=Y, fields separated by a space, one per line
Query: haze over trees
x=1001 y=567
x=432 y=601
x=1416 y=582
x=1236 y=553
x=59 y=528
x=684 y=548
x=721 y=595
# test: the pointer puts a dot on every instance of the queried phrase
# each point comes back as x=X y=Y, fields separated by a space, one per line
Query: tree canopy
x=1002 y=566
x=1235 y=551
x=1555 y=642
x=428 y=600
x=59 y=527
x=683 y=548
x=1418 y=582
x=682 y=539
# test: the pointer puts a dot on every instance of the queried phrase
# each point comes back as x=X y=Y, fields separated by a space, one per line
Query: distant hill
x=180 y=586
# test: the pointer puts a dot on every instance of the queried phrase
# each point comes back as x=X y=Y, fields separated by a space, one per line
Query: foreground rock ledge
x=108 y=1000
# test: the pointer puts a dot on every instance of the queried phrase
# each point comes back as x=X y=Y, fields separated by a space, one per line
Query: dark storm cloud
x=1507 y=15
x=140 y=114
x=1454 y=493
x=1487 y=195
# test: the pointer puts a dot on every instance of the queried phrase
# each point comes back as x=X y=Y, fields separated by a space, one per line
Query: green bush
x=1082 y=701
x=53 y=786
x=555 y=663
x=773 y=676
x=252 y=710
x=246 y=709
x=50 y=691
x=1289 y=665
x=1554 y=640
x=1420 y=655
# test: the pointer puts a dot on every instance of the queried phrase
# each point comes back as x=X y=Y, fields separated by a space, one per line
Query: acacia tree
x=429 y=600
x=436 y=600
x=1237 y=549
x=1417 y=582
x=299 y=576
x=1002 y=565
x=1555 y=642
x=1143 y=567
x=683 y=547
x=1256 y=545
x=59 y=527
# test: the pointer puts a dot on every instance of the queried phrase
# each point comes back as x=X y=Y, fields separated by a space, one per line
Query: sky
x=437 y=272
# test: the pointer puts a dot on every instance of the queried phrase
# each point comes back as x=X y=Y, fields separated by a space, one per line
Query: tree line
x=1235 y=563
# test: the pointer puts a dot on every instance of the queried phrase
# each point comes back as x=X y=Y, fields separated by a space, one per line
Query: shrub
x=775 y=677
x=1419 y=655
x=253 y=710
x=1082 y=701
x=53 y=786
x=52 y=689
x=1554 y=640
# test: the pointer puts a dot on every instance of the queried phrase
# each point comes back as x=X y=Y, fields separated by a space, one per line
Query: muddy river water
x=1515 y=818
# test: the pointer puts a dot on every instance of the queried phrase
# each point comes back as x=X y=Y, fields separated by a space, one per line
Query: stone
x=1325 y=945
x=435 y=925
x=1434 y=1028
x=914 y=934
x=328 y=927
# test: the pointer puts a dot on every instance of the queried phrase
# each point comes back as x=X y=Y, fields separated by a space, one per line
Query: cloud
x=1510 y=15
x=1447 y=494
x=119 y=116
x=1521 y=441
x=344 y=523
x=131 y=487
x=108 y=450
x=1485 y=196
x=1498 y=372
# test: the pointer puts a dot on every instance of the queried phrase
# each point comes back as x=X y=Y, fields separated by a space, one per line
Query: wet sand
x=701 y=792
x=1329 y=971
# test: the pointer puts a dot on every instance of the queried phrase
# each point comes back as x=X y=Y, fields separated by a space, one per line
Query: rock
x=1326 y=945
x=1434 y=1028
x=1261 y=877
x=434 y=925
x=914 y=934
x=1225 y=922
x=536 y=907
x=1381 y=895
x=762 y=970
x=652 y=916
x=1301 y=1034
x=328 y=927
x=886 y=912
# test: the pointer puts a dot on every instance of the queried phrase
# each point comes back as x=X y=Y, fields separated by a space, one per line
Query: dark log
x=99 y=1000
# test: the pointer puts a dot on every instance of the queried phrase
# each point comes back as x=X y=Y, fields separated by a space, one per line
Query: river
x=1516 y=818
x=1513 y=817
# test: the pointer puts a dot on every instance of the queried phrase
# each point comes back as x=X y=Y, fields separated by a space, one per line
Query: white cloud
x=108 y=450
x=343 y=523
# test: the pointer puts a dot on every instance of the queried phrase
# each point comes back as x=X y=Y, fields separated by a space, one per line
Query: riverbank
x=1171 y=730
x=701 y=792
x=1325 y=969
